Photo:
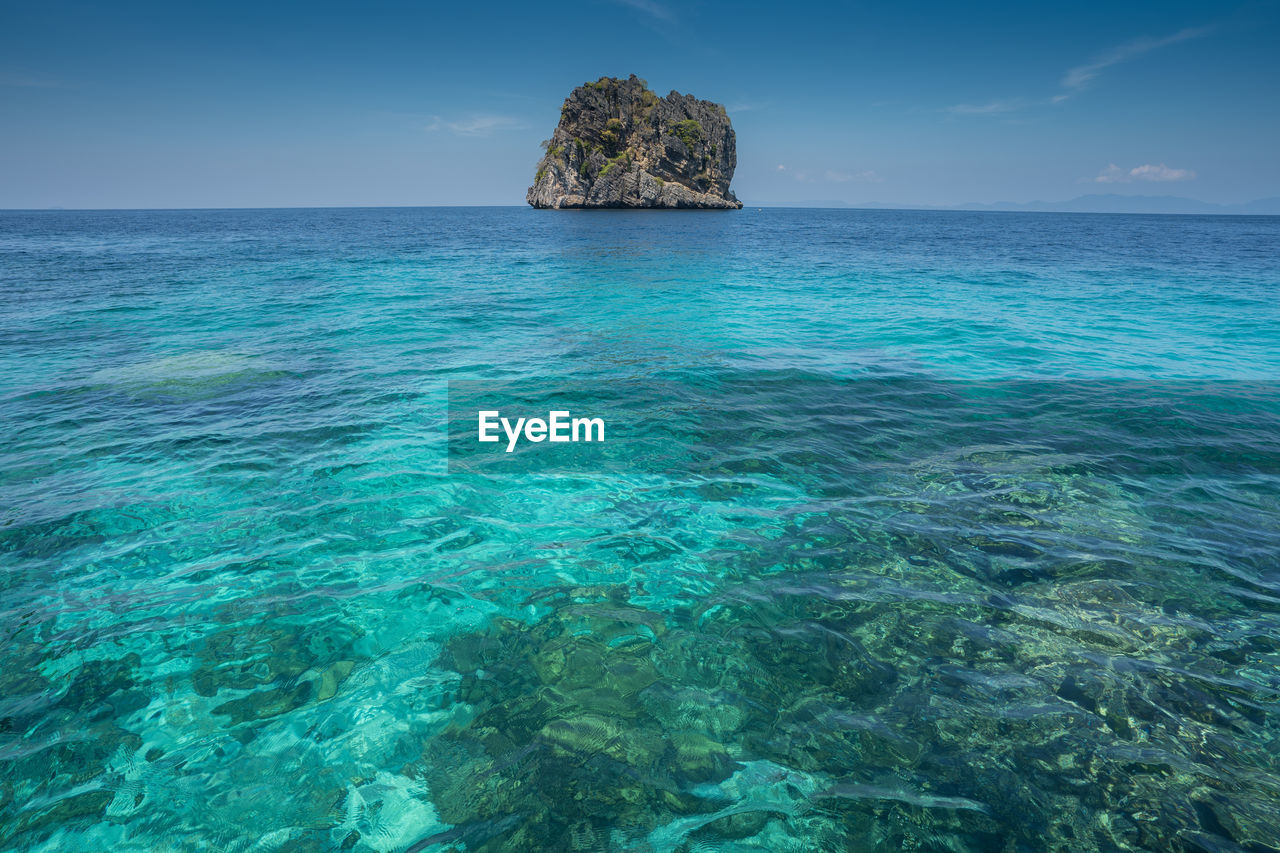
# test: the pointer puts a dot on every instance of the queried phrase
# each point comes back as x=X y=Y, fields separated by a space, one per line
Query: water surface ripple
x=921 y=531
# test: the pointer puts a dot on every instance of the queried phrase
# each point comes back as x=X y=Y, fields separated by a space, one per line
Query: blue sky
x=236 y=104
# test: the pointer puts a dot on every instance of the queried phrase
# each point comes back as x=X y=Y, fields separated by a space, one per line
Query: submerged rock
x=620 y=145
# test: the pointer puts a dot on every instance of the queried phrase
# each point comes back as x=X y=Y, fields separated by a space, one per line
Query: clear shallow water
x=930 y=531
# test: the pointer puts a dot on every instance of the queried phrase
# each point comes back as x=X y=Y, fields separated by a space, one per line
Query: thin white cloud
x=1077 y=79
x=1160 y=173
x=653 y=9
x=1006 y=105
x=28 y=81
x=478 y=125
x=1082 y=75
x=1113 y=174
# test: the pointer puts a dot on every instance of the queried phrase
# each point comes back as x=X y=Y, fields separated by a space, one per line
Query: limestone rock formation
x=620 y=145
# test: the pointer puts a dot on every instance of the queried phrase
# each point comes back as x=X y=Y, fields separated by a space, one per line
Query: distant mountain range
x=1095 y=203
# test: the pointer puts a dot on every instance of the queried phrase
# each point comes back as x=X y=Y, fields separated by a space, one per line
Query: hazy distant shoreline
x=1094 y=203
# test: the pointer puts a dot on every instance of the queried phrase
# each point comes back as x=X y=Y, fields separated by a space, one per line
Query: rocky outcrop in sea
x=619 y=145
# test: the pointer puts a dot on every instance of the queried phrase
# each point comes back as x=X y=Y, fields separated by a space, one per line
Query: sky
x=284 y=104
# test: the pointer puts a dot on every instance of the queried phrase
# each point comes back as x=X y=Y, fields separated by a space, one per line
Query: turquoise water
x=914 y=531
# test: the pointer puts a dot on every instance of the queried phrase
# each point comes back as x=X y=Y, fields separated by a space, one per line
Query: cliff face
x=620 y=145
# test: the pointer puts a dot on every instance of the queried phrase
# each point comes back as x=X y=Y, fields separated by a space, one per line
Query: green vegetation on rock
x=688 y=131
x=624 y=158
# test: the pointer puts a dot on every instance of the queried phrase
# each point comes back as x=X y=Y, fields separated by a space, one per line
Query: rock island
x=620 y=145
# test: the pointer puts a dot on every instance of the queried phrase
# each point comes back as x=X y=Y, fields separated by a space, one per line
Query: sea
x=924 y=531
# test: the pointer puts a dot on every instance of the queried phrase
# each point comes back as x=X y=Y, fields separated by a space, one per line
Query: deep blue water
x=913 y=531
